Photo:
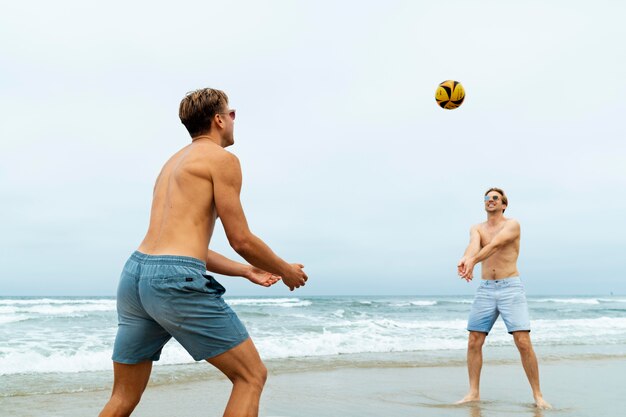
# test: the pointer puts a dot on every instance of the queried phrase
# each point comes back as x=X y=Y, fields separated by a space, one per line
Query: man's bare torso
x=183 y=212
x=503 y=263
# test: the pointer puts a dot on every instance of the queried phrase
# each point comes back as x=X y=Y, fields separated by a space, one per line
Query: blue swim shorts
x=505 y=297
x=165 y=296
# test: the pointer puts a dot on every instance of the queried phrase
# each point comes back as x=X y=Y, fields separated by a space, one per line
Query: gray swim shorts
x=165 y=296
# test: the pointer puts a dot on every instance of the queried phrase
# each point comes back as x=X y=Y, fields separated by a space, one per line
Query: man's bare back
x=183 y=211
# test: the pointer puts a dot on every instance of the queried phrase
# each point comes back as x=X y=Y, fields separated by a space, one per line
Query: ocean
x=64 y=344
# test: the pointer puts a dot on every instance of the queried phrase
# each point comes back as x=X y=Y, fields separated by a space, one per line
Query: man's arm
x=508 y=234
x=222 y=265
x=227 y=189
x=474 y=244
x=472 y=249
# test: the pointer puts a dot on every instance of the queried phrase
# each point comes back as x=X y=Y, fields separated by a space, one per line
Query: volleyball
x=450 y=94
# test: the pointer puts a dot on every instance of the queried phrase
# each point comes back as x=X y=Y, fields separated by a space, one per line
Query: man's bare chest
x=488 y=234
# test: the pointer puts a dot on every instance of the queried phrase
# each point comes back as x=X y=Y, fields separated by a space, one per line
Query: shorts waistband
x=187 y=261
x=509 y=280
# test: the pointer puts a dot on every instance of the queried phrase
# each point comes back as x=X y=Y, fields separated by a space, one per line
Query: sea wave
x=599 y=324
x=62 y=362
x=461 y=301
x=53 y=301
x=334 y=337
x=419 y=303
x=277 y=302
x=59 y=309
x=590 y=301
x=12 y=319
x=582 y=300
x=77 y=335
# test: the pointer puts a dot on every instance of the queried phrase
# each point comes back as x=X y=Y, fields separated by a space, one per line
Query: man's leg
x=474 y=365
x=129 y=382
x=529 y=361
x=243 y=366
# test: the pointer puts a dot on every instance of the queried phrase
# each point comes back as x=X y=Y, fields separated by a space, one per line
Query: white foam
x=50 y=307
x=320 y=327
x=12 y=319
x=466 y=301
x=34 y=362
x=339 y=313
x=333 y=337
x=420 y=303
x=278 y=302
x=596 y=324
x=602 y=330
x=335 y=343
x=590 y=301
x=40 y=301
x=86 y=358
x=7 y=310
x=66 y=310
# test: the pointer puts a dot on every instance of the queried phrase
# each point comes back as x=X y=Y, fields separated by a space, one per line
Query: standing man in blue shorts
x=164 y=290
x=496 y=244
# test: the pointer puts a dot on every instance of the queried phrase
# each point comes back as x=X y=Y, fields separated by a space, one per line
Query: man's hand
x=261 y=277
x=460 y=267
x=466 y=268
x=296 y=277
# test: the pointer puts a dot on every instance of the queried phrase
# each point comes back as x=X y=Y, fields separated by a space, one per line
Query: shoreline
x=44 y=384
x=363 y=390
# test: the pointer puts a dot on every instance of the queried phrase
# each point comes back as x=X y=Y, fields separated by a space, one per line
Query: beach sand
x=574 y=387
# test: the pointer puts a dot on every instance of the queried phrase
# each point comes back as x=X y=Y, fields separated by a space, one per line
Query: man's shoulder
x=212 y=154
x=512 y=222
x=205 y=160
x=223 y=165
x=478 y=226
x=507 y=222
x=226 y=159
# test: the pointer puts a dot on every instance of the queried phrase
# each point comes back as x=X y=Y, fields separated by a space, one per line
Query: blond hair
x=199 y=107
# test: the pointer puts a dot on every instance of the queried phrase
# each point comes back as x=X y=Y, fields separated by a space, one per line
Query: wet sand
x=574 y=387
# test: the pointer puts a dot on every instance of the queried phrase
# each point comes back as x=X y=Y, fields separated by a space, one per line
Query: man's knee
x=242 y=365
x=258 y=375
x=476 y=341
x=522 y=341
x=120 y=406
x=253 y=374
x=262 y=374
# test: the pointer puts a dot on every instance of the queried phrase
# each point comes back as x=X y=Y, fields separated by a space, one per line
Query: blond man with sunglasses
x=496 y=244
x=164 y=290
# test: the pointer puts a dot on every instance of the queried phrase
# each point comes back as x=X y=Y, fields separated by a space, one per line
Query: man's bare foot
x=469 y=398
x=542 y=404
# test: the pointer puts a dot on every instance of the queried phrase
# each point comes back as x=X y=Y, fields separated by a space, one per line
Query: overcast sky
x=349 y=165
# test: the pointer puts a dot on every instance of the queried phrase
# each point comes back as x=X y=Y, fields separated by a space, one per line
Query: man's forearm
x=484 y=253
x=222 y=265
x=257 y=253
x=471 y=251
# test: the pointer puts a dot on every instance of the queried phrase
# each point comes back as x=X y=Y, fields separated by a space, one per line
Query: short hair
x=198 y=108
x=500 y=191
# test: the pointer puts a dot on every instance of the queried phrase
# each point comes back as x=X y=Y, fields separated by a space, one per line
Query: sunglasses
x=231 y=113
x=493 y=197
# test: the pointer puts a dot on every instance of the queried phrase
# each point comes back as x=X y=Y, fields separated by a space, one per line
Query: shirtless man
x=164 y=290
x=495 y=243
